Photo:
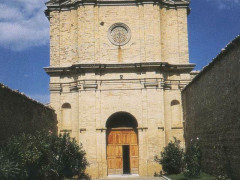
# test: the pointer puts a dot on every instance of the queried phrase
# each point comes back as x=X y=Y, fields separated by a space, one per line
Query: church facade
x=116 y=72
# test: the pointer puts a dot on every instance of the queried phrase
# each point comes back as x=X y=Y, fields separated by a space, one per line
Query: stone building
x=211 y=112
x=116 y=73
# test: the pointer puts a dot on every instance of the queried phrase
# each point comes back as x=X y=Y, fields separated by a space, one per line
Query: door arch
x=122 y=144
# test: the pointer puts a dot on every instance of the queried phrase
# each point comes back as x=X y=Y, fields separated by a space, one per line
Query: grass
x=203 y=176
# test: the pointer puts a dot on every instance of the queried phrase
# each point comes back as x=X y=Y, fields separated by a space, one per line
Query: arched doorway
x=122 y=144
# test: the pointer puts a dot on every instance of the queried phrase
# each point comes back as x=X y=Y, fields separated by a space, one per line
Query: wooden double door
x=122 y=151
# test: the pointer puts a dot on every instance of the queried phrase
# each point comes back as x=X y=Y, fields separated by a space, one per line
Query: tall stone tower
x=116 y=73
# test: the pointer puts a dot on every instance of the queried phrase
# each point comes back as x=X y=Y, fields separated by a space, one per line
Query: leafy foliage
x=192 y=161
x=171 y=158
x=223 y=167
x=43 y=156
x=8 y=169
x=70 y=157
x=203 y=176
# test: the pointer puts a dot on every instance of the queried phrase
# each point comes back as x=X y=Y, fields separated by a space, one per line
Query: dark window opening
x=174 y=102
x=121 y=119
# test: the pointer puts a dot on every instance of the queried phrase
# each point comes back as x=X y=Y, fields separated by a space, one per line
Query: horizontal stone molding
x=151 y=84
x=90 y=86
x=118 y=84
x=65 y=131
x=101 y=129
x=142 y=128
x=161 y=128
x=78 y=68
x=74 y=86
x=177 y=127
x=181 y=86
x=166 y=85
x=82 y=129
x=55 y=87
x=64 y=5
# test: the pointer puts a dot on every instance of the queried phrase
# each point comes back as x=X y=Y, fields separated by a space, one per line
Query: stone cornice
x=117 y=84
x=61 y=5
x=131 y=66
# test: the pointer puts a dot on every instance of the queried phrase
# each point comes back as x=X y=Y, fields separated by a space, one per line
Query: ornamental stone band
x=116 y=73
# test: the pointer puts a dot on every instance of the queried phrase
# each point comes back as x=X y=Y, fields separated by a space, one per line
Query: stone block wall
x=146 y=96
x=19 y=114
x=91 y=78
x=80 y=35
x=212 y=114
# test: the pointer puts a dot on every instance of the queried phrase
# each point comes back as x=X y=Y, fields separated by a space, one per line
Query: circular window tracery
x=119 y=34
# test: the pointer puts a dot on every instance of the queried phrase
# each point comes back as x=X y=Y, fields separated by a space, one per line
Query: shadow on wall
x=19 y=113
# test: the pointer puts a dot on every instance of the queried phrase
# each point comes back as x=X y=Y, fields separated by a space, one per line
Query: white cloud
x=23 y=24
x=9 y=13
x=225 y=4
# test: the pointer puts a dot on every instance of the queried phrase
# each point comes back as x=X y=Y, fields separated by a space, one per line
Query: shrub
x=8 y=169
x=70 y=157
x=45 y=156
x=171 y=158
x=192 y=160
x=223 y=167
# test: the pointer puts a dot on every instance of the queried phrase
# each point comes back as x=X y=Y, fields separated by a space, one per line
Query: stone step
x=130 y=177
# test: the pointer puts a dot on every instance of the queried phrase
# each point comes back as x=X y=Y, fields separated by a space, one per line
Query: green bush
x=70 y=157
x=223 y=168
x=192 y=161
x=171 y=158
x=8 y=169
x=44 y=156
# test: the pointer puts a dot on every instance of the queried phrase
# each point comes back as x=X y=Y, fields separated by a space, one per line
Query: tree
x=70 y=157
x=8 y=169
x=192 y=161
x=171 y=158
x=45 y=156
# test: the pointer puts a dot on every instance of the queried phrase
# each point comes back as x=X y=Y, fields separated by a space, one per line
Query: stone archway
x=122 y=144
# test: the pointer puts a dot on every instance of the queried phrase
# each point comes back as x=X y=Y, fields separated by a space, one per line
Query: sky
x=24 y=40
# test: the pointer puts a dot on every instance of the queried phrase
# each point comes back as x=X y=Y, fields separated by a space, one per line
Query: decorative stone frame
x=123 y=26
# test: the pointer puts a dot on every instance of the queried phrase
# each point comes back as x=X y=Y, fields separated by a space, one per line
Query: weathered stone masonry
x=19 y=114
x=97 y=73
x=212 y=114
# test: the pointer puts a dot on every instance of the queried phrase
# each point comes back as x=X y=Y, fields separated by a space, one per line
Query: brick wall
x=19 y=114
x=211 y=111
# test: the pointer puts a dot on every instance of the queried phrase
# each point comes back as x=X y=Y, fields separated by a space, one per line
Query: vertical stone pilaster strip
x=80 y=33
x=54 y=38
x=183 y=36
x=141 y=33
x=74 y=36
